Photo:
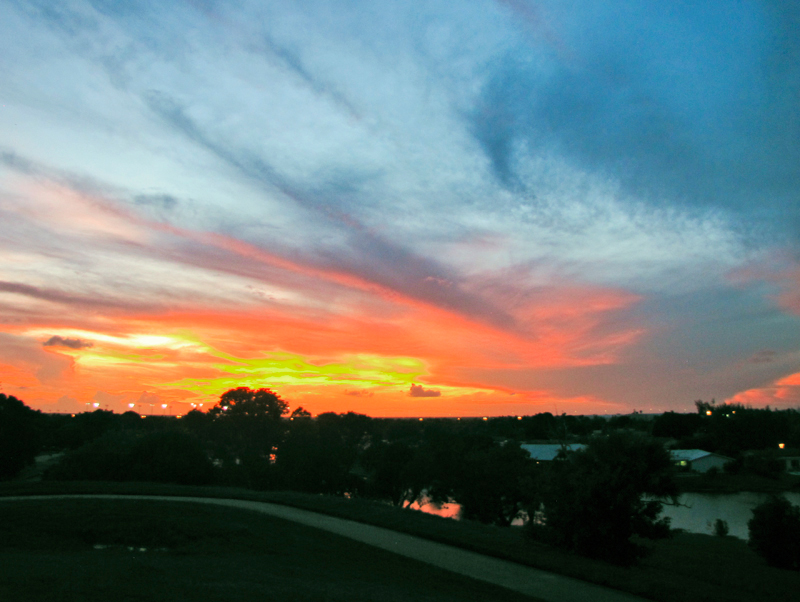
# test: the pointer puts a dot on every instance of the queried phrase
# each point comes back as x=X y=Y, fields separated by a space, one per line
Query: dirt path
x=532 y=582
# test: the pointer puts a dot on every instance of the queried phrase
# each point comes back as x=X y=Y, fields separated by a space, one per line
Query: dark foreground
x=685 y=568
x=86 y=550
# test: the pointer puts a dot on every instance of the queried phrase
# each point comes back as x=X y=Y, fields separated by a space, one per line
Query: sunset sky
x=412 y=208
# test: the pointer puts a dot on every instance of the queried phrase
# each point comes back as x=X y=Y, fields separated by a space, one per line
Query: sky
x=400 y=208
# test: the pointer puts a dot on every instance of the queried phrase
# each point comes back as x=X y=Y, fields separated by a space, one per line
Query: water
x=696 y=514
x=701 y=510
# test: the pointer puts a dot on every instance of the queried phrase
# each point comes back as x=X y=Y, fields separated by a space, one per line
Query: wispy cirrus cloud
x=523 y=197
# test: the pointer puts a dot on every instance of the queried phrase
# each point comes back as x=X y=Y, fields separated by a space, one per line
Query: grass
x=87 y=550
x=685 y=568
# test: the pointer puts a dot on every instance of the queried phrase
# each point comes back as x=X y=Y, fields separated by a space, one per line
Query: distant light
x=708 y=412
x=225 y=408
x=781 y=445
x=143 y=416
x=73 y=415
x=163 y=406
x=179 y=416
x=95 y=404
x=130 y=405
x=485 y=418
x=519 y=417
x=420 y=419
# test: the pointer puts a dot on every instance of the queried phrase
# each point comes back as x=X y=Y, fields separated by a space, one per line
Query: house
x=547 y=452
x=698 y=459
x=790 y=460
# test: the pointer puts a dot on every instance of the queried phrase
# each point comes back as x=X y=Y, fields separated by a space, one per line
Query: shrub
x=774 y=532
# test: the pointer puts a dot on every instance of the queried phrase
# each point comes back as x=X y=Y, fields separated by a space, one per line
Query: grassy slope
x=91 y=550
x=684 y=568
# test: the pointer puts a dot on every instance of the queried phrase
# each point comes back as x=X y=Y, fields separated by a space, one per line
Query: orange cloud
x=784 y=392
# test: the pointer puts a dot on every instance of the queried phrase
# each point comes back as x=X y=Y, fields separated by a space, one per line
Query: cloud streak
x=598 y=206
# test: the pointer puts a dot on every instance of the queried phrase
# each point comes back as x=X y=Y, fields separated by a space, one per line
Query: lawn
x=86 y=550
x=685 y=568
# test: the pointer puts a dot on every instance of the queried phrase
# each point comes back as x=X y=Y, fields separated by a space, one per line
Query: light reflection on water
x=701 y=510
x=447 y=510
x=697 y=513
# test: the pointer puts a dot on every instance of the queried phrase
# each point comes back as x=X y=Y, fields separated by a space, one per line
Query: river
x=701 y=510
x=696 y=514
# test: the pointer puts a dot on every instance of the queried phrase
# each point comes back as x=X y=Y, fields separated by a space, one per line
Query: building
x=790 y=460
x=547 y=452
x=698 y=460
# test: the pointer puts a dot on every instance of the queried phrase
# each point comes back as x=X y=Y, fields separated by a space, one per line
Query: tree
x=490 y=486
x=774 y=532
x=245 y=432
x=300 y=412
x=19 y=436
x=244 y=402
x=388 y=466
x=600 y=497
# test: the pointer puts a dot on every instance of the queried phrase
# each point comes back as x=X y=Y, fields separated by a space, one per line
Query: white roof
x=549 y=451
x=690 y=455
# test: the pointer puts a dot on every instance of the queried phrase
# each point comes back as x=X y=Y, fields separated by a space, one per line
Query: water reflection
x=696 y=514
x=701 y=510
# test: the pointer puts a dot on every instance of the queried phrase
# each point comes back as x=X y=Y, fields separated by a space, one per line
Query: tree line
x=593 y=504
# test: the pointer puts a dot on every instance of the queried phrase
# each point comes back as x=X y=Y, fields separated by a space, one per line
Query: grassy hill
x=685 y=568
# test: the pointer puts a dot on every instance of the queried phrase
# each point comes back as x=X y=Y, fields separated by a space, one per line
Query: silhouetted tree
x=19 y=436
x=774 y=532
x=388 y=465
x=300 y=412
x=595 y=501
x=245 y=434
x=244 y=402
x=165 y=456
x=491 y=482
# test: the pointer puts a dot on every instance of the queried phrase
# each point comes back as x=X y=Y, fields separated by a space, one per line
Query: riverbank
x=687 y=567
x=737 y=483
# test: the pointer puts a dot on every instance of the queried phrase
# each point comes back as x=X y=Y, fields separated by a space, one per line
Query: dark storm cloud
x=420 y=391
x=57 y=341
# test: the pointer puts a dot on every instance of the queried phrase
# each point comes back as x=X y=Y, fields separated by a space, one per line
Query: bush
x=774 y=532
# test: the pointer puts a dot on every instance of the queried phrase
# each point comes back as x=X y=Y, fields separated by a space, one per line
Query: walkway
x=527 y=580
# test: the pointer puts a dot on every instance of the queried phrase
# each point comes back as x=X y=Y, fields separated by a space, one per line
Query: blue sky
x=575 y=206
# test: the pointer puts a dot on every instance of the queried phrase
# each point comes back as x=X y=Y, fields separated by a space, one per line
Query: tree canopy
x=244 y=402
x=596 y=500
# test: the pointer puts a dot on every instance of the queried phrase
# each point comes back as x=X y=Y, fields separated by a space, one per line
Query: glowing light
x=130 y=405
x=781 y=445
x=95 y=404
x=708 y=412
